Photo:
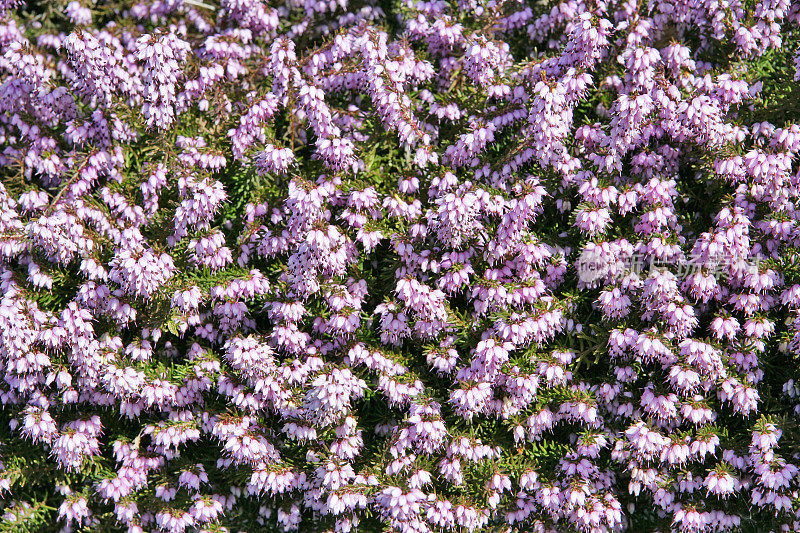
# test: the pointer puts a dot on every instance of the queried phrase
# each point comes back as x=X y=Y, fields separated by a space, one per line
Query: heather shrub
x=406 y=266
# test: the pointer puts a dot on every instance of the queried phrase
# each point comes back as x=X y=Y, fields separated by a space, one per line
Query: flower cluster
x=412 y=266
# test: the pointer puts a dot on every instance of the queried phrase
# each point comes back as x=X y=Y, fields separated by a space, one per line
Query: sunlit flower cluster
x=412 y=266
